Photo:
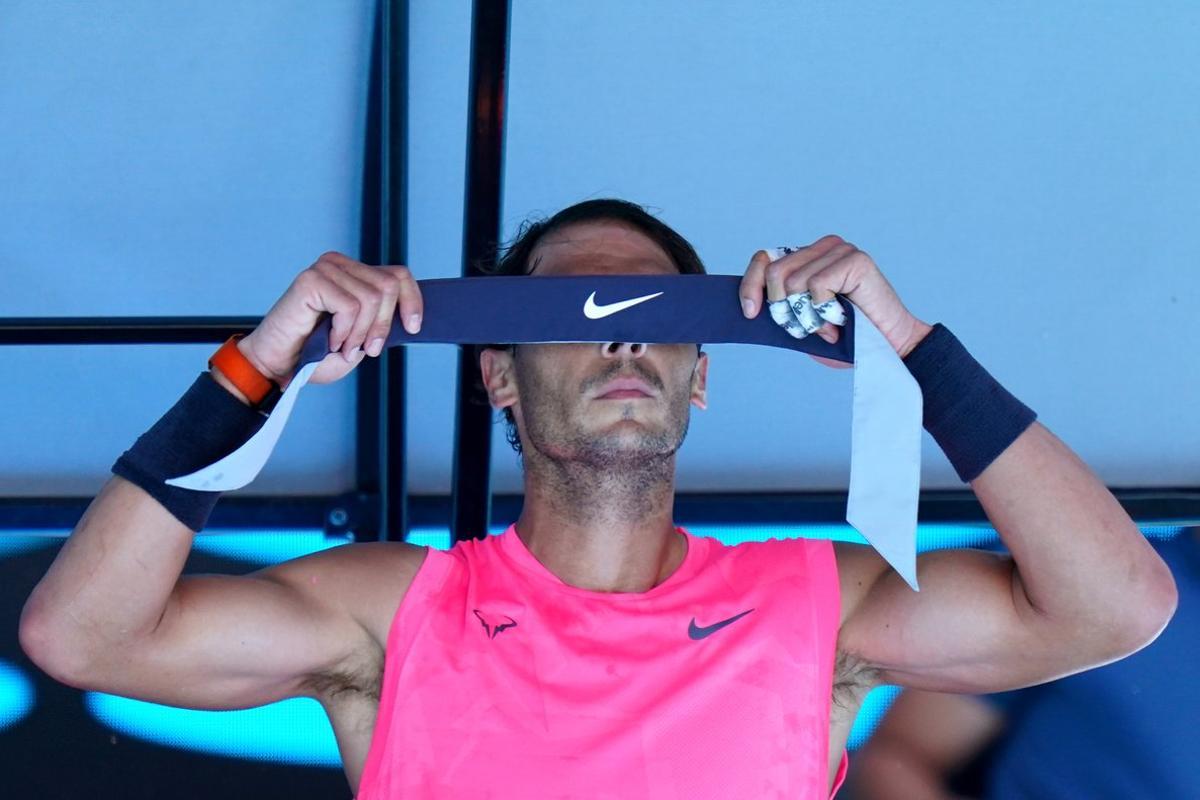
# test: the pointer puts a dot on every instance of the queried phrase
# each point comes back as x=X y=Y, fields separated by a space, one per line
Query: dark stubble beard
x=621 y=477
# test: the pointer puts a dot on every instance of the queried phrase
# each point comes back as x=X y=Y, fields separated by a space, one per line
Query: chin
x=627 y=429
x=632 y=438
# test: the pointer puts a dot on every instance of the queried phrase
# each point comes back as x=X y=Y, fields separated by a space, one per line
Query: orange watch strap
x=241 y=373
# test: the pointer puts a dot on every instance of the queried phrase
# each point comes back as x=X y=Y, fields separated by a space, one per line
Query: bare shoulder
x=365 y=581
x=859 y=567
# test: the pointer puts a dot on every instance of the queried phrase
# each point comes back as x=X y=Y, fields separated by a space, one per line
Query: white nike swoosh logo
x=593 y=311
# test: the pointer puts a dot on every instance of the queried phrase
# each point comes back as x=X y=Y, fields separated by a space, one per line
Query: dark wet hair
x=516 y=255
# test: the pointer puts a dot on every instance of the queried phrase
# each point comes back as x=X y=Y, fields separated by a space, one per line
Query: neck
x=606 y=529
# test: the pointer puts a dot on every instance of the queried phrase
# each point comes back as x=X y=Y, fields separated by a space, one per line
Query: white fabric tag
x=242 y=466
x=885 y=436
x=885 y=450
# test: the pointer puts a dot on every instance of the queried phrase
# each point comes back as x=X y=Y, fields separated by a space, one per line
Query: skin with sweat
x=600 y=460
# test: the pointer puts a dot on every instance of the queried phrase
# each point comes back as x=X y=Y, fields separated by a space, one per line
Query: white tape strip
x=885 y=437
x=806 y=315
x=242 y=465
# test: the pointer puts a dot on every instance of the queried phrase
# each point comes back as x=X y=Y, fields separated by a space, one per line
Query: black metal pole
x=394 y=210
x=25 y=515
x=368 y=443
x=380 y=456
x=122 y=330
x=471 y=510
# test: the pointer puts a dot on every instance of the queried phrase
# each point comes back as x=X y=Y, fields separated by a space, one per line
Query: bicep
x=969 y=629
x=228 y=641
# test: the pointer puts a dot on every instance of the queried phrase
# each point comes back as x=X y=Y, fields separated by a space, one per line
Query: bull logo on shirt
x=492 y=624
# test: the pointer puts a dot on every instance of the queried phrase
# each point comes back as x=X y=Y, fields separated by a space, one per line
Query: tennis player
x=596 y=649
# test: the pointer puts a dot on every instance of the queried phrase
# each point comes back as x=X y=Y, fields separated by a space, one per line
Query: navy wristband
x=206 y=424
x=969 y=414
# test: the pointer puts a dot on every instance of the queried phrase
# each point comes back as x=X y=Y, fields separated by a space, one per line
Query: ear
x=499 y=377
x=700 y=382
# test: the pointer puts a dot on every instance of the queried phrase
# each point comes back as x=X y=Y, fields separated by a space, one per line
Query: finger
x=792 y=260
x=829 y=280
x=753 y=284
x=828 y=332
x=799 y=279
x=776 y=273
x=399 y=289
x=369 y=299
x=829 y=362
x=832 y=311
x=810 y=311
x=388 y=287
x=391 y=283
x=396 y=283
x=412 y=304
x=824 y=284
x=784 y=317
x=802 y=307
x=353 y=266
x=802 y=254
x=340 y=303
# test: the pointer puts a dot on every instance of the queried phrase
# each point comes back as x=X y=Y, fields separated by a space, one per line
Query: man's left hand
x=828 y=267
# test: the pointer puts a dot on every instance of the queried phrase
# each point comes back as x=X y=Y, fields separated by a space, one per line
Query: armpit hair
x=853 y=677
x=364 y=678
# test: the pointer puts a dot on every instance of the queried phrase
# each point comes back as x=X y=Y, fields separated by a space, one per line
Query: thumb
x=336 y=366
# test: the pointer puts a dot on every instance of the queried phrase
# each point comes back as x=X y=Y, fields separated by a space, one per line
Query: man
x=552 y=660
x=1125 y=730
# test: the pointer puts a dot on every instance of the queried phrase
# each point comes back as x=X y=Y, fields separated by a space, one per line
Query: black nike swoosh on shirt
x=697 y=632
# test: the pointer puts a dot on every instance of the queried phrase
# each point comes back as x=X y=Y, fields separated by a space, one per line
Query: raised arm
x=211 y=641
x=1082 y=587
x=113 y=613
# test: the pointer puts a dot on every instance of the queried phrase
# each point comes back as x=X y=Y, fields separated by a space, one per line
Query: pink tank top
x=502 y=681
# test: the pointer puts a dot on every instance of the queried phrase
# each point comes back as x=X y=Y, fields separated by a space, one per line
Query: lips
x=625 y=388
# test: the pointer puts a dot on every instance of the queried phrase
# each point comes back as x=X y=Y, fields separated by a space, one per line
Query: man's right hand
x=362 y=300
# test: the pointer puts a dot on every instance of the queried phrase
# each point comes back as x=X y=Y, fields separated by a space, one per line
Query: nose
x=622 y=349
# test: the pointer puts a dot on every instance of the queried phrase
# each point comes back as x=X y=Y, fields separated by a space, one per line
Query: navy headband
x=655 y=309
x=684 y=309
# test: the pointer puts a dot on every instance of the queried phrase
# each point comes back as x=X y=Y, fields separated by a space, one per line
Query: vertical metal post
x=471 y=503
x=380 y=458
x=394 y=246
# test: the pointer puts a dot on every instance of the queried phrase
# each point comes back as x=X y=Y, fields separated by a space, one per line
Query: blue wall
x=1024 y=173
